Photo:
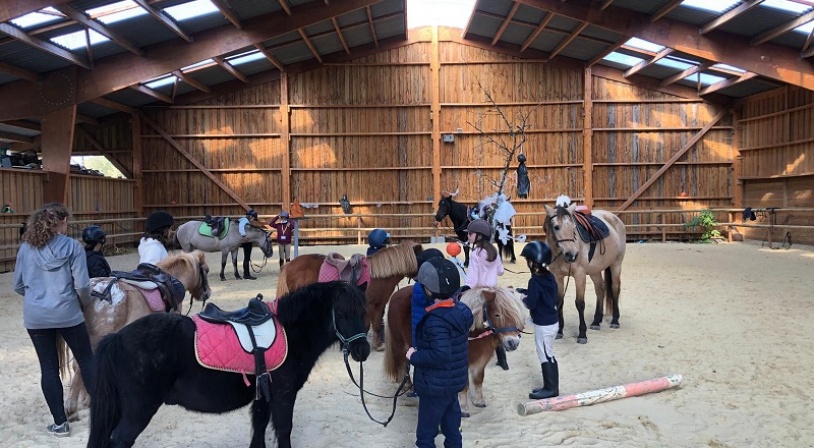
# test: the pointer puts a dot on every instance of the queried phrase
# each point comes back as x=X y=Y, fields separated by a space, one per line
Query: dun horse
x=189 y=239
x=387 y=268
x=153 y=362
x=127 y=304
x=575 y=257
x=499 y=319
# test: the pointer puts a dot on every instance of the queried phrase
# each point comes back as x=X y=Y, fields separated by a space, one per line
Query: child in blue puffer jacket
x=440 y=355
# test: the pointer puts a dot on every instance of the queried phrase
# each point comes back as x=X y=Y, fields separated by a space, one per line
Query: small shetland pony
x=570 y=255
x=387 y=267
x=152 y=362
x=499 y=318
x=128 y=304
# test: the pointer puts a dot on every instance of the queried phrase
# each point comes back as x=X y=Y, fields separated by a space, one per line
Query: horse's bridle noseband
x=496 y=331
x=203 y=284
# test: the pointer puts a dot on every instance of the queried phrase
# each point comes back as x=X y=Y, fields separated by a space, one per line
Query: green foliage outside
x=706 y=220
x=98 y=163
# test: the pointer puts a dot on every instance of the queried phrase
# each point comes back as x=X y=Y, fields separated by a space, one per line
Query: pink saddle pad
x=329 y=273
x=217 y=347
x=153 y=298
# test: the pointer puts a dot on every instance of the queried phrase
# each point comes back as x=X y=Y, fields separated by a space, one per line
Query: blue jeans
x=434 y=411
x=45 y=343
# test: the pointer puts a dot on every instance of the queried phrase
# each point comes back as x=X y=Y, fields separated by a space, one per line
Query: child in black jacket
x=95 y=238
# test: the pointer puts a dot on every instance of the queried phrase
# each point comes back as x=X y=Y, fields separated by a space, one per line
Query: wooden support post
x=435 y=116
x=57 y=142
x=138 y=176
x=285 y=141
x=737 y=168
x=587 y=137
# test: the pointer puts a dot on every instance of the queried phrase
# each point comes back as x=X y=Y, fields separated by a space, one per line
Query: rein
x=203 y=283
x=345 y=352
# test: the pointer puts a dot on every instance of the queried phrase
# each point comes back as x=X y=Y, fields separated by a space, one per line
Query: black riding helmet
x=537 y=252
x=428 y=255
x=251 y=213
x=440 y=276
x=158 y=221
x=94 y=235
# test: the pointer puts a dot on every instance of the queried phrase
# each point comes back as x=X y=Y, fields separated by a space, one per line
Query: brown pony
x=499 y=318
x=570 y=255
x=387 y=267
x=126 y=305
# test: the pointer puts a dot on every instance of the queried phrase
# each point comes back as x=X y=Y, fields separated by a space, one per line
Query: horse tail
x=282 y=282
x=391 y=362
x=105 y=412
x=63 y=355
x=609 y=298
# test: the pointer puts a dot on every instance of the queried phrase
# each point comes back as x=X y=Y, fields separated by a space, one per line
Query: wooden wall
x=371 y=128
x=776 y=133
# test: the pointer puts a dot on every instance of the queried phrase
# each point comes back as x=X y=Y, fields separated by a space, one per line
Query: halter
x=497 y=331
x=345 y=342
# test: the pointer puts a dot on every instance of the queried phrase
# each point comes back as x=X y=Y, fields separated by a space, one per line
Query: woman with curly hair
x=157 y=238
x=52 y=275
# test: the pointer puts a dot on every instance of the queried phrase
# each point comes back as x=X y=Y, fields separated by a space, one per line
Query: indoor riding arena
x=692 y=121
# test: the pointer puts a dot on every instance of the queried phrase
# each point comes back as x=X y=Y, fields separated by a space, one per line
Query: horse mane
x=508 y=305
x=180 y=261
x=305 y=302
x=391 y=261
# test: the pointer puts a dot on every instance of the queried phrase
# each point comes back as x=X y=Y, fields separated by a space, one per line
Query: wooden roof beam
x=286 y=8
x=567 y=41
x=505 y=23
x=611 y=48
x=666 y=9
x=165 y=19
x=533 y=36
x=104 y=152
x=86 y=120
x=228 y=13
x=15 y=137
x=808 y=42
x=771 y=61
x=311 y=46
x=19 y=72
x=12 y=10
x=727 y=83
x=191 y=81
x=369 y=22
x=605 y=5
x=647 y=63
x=230 y=68
x=690 y=71
x=729 y=15
x=152 y=93
x=274 y=61
x=119 y=71
x=113 y=105
x=83 y=19
x=783 y=29
x=18 y=34
x=339 y=34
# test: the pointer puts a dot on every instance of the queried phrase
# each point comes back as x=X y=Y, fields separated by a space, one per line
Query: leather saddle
x=591 y=230
x=149 y=276
x=217 y=224
x=350 y=270
x=256 y=331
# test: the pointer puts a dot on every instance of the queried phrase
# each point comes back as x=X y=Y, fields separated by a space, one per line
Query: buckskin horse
x=153 y=362
x=190 y=239
x=579 y=249
x=387 y=267
x=126 y=304
x=499 y=318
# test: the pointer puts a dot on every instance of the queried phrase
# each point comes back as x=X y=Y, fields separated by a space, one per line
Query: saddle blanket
x=205 y=230
x=329 y=273
x=152 y=296
x=217 y=347
x=599 y=230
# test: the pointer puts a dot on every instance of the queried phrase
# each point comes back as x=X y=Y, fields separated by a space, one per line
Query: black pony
x=505 y=250
x=459 y=214
x=152 y=361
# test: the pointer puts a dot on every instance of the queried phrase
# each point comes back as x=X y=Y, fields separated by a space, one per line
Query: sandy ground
x=729 y=317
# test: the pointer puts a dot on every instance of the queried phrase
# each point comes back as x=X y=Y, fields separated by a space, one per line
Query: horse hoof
x=223 y=279
x=582 y=340
x=595 y=327
x=614 y=325
x=559 y=336
x=378 y=348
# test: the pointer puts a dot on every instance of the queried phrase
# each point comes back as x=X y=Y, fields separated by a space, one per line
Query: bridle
x=345 y=351
x=203 y=285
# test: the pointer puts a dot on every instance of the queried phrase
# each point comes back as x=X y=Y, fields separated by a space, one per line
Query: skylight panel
x=706 y=79
x=718 y=6
x=246 y=57
x=642 y=44
x=730 y=68
x=37 y=18
x=76 y=40
x=196 y=65
x=161 y=81
x=805 y=29
x=623 y=59
x=116 y=12
x=674 y=63
x=192 y=9
x=452 y=13
x=786 y=5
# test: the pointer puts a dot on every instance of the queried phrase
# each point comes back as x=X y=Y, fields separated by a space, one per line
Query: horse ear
x=572 y=208
x=549 y=211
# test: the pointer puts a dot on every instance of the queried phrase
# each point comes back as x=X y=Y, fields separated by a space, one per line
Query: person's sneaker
x=62 y=430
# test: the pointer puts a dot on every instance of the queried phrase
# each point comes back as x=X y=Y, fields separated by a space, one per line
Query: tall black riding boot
x=551 y=381
x=501 y=357
x=247 y=273
x=281 y=264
